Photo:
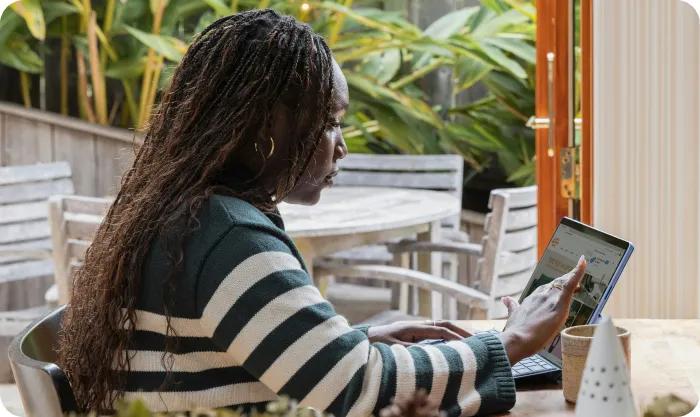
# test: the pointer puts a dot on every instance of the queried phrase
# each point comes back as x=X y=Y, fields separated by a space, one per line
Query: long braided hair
x=220 y=99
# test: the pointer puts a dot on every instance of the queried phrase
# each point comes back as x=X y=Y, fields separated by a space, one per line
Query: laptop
x=606 y=255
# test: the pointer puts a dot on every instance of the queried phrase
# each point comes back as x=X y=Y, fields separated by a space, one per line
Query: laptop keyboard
x=534 y=364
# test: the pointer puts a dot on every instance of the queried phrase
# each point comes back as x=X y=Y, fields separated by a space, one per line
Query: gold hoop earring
x=272 y=148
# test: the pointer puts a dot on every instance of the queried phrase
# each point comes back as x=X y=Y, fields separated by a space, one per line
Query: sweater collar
x=275 y=217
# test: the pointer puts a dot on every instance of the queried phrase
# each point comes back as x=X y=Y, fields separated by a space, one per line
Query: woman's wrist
x=513 y=345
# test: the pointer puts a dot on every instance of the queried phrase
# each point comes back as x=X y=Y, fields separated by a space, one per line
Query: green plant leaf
x=474 y=137
x=18 y=55
x=499 y=23
x=56 y=9
x=524 y=174
x=168 y=46
x=33 y=15
x=9 y=23
x=126 y=68
x=469 y=71
x=382 y=66
x=517 y=47
x=450 y=23
x=500 y=59
x=205 y=20
x=131 y=12
x=219 y=7
x=417 y=108
x=494 y=5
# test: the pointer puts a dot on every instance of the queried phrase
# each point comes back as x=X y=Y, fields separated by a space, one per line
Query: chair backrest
x=509 y=246
x=43 y=387
x=26 y=270
x=74 y=221
x=426 y=172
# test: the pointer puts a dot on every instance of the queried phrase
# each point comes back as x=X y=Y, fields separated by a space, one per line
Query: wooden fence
x=98 y=155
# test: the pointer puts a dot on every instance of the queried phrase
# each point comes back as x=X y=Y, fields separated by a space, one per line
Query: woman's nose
x=341 y=149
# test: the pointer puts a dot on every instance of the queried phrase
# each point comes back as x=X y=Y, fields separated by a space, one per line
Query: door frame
x=555 y=34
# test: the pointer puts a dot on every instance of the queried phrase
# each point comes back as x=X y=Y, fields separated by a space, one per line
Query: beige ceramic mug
x=575 y=343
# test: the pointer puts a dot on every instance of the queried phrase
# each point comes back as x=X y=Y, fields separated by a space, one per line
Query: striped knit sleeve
x=266 y=313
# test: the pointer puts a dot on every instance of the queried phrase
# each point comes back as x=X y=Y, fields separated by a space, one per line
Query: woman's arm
x=267 y=314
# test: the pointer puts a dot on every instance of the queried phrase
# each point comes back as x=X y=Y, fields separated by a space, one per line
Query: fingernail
x=582 y=258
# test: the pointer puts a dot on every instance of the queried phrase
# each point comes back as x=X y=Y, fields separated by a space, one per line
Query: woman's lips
x=329 y=178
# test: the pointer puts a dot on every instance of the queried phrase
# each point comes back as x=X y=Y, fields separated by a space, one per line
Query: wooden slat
x=38 y=191
x=115 y=159
x=34 y=173
x=86 y=205
x=24 y=270
x=512 y=284
x=13 y=322
x=32 y=249
x=409 y=163
x=23 y=212
x=516 y=219
x=77 y=248
x=18 y=232
x=434 y=181
x=27 y=141
x=78 y=148
x=521 y=218
x=513 y=262
x=123 y=135
x=80 y=225
x=27 y=245
x=520 y=240
x=517 y=197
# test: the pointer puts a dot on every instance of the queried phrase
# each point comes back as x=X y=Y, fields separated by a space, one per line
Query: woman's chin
x=308 y=197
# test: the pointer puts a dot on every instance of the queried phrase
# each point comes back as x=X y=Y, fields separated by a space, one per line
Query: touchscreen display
x=561 y=256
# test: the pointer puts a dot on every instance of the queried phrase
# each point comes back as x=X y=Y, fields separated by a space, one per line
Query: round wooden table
x=348 y=217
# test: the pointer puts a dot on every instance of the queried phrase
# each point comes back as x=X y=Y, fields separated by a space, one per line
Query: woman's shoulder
x=235 y=212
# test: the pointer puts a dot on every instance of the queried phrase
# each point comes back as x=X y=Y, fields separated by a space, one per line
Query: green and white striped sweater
x=250 y=325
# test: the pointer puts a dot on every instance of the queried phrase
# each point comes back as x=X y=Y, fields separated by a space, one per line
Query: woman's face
x=323 y=165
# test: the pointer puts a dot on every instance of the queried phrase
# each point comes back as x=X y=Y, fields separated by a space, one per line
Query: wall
x=98 y=155
x=646 y=130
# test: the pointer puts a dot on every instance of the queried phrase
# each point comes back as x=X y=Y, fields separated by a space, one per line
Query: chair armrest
x=410 y=245
x=454 y=235
x=418 y=279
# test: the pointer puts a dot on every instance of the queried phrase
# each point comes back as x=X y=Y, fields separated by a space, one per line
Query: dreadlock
x=221 y=97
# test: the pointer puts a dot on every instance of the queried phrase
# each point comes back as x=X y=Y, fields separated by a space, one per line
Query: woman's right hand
x=534 y=323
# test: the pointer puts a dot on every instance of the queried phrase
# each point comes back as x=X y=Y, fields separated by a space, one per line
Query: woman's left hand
x=409 y=332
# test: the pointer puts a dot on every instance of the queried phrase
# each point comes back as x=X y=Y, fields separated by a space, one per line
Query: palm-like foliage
x=125 y=51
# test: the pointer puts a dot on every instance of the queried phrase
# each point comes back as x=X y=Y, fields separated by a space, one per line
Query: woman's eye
x=333 y=124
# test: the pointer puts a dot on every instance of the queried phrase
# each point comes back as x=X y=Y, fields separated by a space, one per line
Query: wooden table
x=348 y=217
x=665 y=359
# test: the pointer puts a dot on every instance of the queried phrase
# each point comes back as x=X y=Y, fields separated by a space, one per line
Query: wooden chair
x=26 y=269
x=506 y=258
x=74 y=221
x=428 y=172
x=507 y=254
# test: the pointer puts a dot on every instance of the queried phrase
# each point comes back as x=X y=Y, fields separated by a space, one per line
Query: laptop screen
x=604 y=254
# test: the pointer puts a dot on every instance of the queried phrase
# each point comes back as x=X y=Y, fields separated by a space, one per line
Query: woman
x=193 y=295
